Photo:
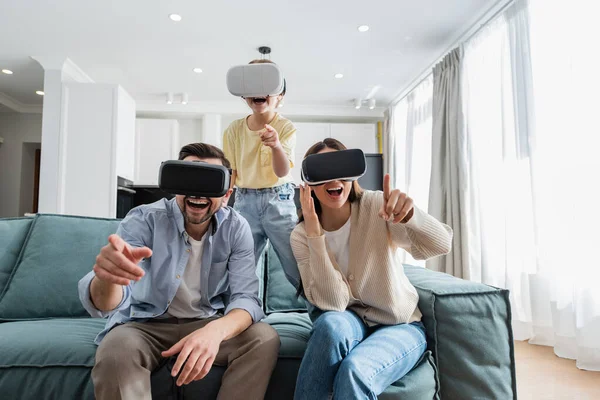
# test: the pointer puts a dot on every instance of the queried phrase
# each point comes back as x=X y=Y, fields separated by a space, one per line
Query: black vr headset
x=193 y=178
x=343 y=165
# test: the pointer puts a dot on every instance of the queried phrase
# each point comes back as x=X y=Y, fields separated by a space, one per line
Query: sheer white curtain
x=535 y=171
x=411 y=145
x=566 y=290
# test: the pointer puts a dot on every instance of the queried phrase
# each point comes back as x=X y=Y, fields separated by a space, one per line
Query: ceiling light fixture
x=197 y=70
x=175 y=17
x=357 y=103
x=363 y=28
x=7 y=71
x=371 y=104
x=185 y=98
x=169 y=98
x=39 y=92
x=339 y=76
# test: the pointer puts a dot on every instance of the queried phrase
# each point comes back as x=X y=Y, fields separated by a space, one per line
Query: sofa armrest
x=470 y=334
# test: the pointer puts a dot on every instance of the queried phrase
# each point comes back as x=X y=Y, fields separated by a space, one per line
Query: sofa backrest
x=279 y=293
x=42 y=259
x=13 y=232
x=57 y=251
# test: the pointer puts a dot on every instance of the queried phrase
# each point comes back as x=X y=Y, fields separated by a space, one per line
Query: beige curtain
x=449 y=189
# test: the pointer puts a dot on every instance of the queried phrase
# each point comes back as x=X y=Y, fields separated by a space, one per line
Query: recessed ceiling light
x=339 y=76
x=175 y=17
x=198 y=70
x=7 y=71
x=39 y=92
x=363 y=28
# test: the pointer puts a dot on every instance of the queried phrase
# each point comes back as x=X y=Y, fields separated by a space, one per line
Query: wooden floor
x=541 y=375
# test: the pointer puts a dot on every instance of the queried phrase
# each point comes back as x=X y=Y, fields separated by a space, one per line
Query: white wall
x=88 y=159
x=125 y=135
x=88 y=162
x=190 y=131
x=16 y=129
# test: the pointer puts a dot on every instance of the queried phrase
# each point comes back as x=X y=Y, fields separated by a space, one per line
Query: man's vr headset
x=343 y=165
x=191 y=178
x=255 y=80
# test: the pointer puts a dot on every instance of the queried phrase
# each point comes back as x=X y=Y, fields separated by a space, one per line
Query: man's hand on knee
x=198 y=351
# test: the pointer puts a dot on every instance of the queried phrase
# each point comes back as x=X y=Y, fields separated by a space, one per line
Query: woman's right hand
x=312 y=226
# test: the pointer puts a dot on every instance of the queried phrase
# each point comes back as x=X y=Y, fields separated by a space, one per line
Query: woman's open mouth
x=259 y=100
x=335 y=193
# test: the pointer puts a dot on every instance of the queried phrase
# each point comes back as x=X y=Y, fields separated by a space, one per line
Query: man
x=166 y=275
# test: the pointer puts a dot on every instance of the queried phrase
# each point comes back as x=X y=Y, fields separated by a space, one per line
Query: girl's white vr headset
x=255 y=80
x=343 y=165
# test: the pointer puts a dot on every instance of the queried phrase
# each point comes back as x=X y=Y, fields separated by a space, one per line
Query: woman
x=369 y=334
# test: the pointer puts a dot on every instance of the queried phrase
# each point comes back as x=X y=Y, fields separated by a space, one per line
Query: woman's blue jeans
x=346 y=359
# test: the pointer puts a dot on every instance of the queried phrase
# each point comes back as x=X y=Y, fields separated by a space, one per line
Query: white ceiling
x=135 y=44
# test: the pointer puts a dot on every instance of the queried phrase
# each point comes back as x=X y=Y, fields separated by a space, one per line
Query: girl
x=260 y=148
x=369 y=334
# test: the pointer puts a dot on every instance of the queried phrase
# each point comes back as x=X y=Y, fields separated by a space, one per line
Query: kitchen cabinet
x=156 y=140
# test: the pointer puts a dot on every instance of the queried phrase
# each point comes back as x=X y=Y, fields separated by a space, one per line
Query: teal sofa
x=47 y=339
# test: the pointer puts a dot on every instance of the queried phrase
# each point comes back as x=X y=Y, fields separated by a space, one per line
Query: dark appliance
x=125 y=196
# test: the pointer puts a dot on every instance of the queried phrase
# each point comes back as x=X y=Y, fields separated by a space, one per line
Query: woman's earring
x=280 y=103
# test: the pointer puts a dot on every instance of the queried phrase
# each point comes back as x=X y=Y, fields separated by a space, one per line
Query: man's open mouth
x=198 y=204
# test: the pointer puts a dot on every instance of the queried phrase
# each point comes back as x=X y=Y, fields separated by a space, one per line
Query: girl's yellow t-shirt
x=251 y=159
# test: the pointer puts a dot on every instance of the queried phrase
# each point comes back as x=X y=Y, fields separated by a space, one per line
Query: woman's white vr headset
x=255 y=80
x=343 y=165
x=193 y=178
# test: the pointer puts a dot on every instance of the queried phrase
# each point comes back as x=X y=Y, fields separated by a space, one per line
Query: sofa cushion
x=294 y=332
x=59 y=251
x=469 y=331
x=280 y=294
x=60 y=342
x=13 y=232
x=420 y=383
x=48 y=359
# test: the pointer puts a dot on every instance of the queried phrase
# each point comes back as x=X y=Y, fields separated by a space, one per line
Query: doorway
x=30 y=178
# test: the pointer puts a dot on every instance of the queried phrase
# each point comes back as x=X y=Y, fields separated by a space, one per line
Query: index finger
x=302 y=190
x=307 y=192
x=116 y=242
x=386 y=186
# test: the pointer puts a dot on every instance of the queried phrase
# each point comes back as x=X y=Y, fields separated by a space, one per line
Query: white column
x=57 y=70
x=212 y=132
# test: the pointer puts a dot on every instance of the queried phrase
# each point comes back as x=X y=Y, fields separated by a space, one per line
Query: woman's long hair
x=356 y=191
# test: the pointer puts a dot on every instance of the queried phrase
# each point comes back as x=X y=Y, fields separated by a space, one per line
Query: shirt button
x=188 y=250
x=178 y=276
x=351 y=277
